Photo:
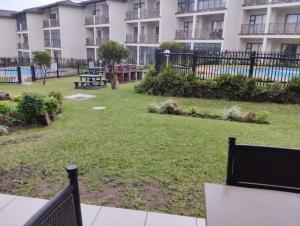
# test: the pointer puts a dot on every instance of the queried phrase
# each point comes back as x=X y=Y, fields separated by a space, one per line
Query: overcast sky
x=23 y=4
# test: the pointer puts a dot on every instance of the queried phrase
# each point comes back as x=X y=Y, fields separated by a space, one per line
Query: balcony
x=210 y=34
x=186 y=8
x=51 y=23
x=54 y=43
x=211 y=5
x=284 y=1
x=255 y=2
x=149 y=38
x=284 y=28
x=96 y=20
x=183 y=34
x=131 y=38
x=22 y=27
x=97 y=43
x=23 y=45
x=142 y=14
x=253 y=29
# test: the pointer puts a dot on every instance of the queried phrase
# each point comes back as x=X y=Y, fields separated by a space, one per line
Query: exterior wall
x=168 y=24
x=8 y=39
x=35 y=32
x=72 y=32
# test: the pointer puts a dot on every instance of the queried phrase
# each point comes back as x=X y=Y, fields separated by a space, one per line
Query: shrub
x=58 y=96
x=262 y=116
x=31 y=108
x=170 y=107
x=17 y=98
x=193 y=110
x=171 y=45
x=294 y=85
x=232 y=113
x=5 y=108
x=3 y=130
x=274 y=86
x=52 y=106
x=249 y=117
x=170 y=83
x=153 y=108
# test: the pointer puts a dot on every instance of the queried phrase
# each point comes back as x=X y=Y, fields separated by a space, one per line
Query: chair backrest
x=64 y=208
x=263 y=167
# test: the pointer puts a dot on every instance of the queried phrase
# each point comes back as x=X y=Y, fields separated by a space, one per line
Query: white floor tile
x=5 y=199
x=159 y=219
x=89 y=214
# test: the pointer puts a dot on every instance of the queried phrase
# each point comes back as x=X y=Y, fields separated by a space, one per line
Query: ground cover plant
x=231 y=114
x=129 y=158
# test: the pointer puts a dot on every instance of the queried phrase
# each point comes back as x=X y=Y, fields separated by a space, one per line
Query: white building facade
x=77 y=30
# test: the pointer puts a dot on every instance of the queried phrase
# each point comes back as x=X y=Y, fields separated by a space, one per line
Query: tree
x=172 y=46
x=112 y=52
x=43 y=60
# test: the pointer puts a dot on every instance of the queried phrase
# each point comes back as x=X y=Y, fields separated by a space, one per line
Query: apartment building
x=77 y=30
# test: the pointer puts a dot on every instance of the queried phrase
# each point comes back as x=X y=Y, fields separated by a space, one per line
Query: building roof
x=7 y=13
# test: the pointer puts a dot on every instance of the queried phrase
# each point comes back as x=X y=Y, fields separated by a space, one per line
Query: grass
x=128 y=157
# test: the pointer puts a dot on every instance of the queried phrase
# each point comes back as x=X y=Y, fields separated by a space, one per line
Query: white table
x=237 y=206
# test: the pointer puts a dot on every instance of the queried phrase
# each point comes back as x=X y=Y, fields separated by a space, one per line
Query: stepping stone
x=99 y=108
x=80 y=97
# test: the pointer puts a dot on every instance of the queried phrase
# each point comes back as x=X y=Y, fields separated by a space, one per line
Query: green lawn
x=129 y=158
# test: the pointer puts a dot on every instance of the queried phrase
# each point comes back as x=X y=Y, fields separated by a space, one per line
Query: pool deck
x=16 y=210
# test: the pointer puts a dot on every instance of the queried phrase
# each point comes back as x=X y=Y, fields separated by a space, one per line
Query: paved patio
x=16 y=210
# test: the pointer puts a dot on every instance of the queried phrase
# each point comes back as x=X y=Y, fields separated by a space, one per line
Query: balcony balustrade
x=149 y=38
x=252 y=29
x=255 y=2
x=211 y=5
x=95 y=20
x=183 y=34
x=131 y=38
x=53 y=43
x=284 y=28
x=212 y=34
x=51 y=23
x=142 y=14
x=23 y=45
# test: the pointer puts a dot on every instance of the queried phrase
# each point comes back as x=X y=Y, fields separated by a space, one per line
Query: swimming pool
x=12 y=71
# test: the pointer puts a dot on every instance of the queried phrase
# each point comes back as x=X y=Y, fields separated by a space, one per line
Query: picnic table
x=90 y=81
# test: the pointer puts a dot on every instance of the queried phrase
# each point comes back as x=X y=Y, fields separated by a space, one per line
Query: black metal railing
x=255 y=2
x=131 y=38
x=211 y=34
x=149 y=13
x=51 y=23
x=184 y=34
x=94 y=20
x=149 y=38
x=64 y=208
x=284 y=28
x=185 y=8
x=266 y=67
x=252 y=29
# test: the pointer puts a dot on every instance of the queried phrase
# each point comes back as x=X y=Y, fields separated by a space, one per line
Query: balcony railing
x=131 y=38
x=252 y=29
x=183 y=34
x=53 y=43
x=212 y=34
x=51 y=23
x=23 y=45
x=142 y=14
x=22 y=27
x=255 y=2
x=284 y=28
x=149 y=38
x=211 y=5
x=284 y=1
x=185 y=8
x=94 y=20
x=98 y=42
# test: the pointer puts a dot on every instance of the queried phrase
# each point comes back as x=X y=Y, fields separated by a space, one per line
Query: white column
x=139 y=31
x=268 y=19
x=194 y=25
x=138 y=55
x=95 y=35
x=196 y=5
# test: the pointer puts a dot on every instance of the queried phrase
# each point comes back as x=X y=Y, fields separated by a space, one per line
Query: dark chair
x=64 y=208
x=263 y=167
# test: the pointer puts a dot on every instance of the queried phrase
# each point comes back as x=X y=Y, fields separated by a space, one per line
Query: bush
x=294 y=85
x=5 y=109
x=249 y=117
x=52 y=106
x=58 y=96
x=153 y=108
x=31 y=108
x=193 y=110
x=170 y=107
x=16 y=98
x=3 y=130
x=274 y=86
x=262 y=116
x=171 y=45
x=232 y=113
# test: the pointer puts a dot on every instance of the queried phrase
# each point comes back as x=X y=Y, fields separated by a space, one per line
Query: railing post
x=157 y=66
x=19 y=75
x=57 y=68
x=32 y=73
x=231 y=143
x=252 y=63
x=78 y=68
x=194 y=63
x=73 y=176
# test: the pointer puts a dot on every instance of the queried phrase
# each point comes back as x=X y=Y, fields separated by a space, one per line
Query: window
x=290 y=49
x=147 y=55
x=211 y=4
x=217 y=25
x=47 y=38
x=55 y=38
x=250 y=47
x=21 y=22
x=97 y=12
x=185 y=5
x=52 y=16
x=186 y=46
x=257 y=24
x=187 y=29
x=292 y=24
x=132 y=54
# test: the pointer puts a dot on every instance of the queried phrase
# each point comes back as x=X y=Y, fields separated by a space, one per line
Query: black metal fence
x=266 y=67
x=19 y=70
